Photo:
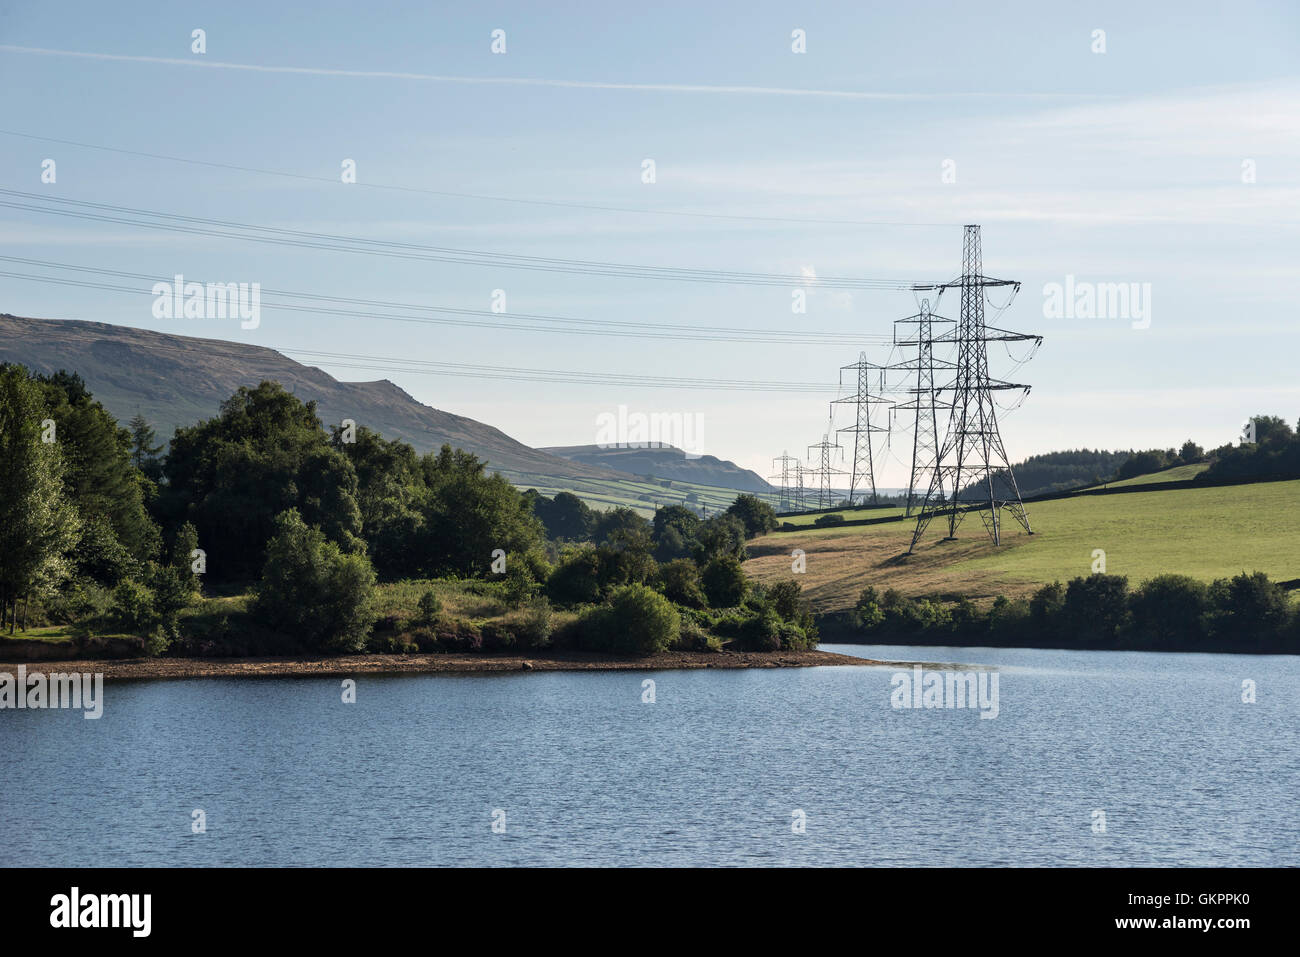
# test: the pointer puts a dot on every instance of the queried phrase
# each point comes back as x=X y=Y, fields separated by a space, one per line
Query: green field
x=1208 y=533
x=639 y=495
x=1179 y=473
x=850 y=515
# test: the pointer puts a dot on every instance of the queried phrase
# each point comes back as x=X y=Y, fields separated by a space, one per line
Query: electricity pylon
x=824 y=471
x=925 y=401
x=785 y=460
x=972 y=451
x=862 y=427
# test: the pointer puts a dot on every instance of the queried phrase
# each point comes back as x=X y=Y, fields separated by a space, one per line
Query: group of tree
x=102 y=528
x=1245 y=613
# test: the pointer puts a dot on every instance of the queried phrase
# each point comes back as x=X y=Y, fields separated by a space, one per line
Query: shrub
x=429 y=608
x=637 y=621
x=868 y=613
x=1247 y=609
x=724 y=581
x=680 y=582
x=1096 y=607
x=133 y=607
x=576 y=579
x=313 y=591
x=830 y=518
x=694 y=637
x=1046 y=604
x=1170 y=609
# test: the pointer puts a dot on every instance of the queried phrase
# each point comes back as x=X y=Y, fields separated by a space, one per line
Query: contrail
x=535 y=81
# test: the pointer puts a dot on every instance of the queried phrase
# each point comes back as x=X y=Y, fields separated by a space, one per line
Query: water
x=709 y=774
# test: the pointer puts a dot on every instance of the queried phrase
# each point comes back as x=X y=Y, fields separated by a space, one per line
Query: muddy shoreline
x=346 y=665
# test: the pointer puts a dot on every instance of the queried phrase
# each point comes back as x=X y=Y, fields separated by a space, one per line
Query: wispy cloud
x=541 y=81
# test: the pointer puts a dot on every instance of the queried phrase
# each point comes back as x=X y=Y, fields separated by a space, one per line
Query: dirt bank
x=136 y=668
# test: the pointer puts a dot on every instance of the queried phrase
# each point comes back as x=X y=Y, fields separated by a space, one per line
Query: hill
x=1205 y=532
x=179 y=380
x=665 y=461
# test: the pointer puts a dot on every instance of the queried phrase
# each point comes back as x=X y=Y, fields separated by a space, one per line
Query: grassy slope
x=1179 y=473
x=1204 y=532
x=641 y=495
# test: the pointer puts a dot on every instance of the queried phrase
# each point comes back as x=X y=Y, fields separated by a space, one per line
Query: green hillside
x=1205 y=532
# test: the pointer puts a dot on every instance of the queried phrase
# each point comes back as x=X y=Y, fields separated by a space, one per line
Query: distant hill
x=665 y=462
x=179 y=380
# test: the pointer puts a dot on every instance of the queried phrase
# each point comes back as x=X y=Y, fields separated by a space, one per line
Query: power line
x=394 y=187
x=224 y=229
x=475 y=318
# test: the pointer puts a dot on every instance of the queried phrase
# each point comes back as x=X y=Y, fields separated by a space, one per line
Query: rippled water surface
x=711 y=773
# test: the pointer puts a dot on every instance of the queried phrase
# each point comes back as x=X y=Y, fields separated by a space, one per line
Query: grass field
x=1204 y=532
x=643 y=495
x=849 y=514
x=1179 y=473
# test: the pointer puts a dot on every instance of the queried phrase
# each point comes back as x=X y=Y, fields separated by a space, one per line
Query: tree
x=38 y=523
x=1191 y=453
x=1096 y=607
x=144 y=453
x=676 y=533
x=565 y=517
x=721 y=535
x=312 y=590
x=758 y=517
x=468 y=514
x=264 y=453
x=1169 y=609
x=724 y=581
x=99 y=477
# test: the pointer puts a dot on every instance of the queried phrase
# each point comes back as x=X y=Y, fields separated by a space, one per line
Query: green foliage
x=429 y=608
x=679 y=580
x=724 y=582
x=565 y=517
x=829 y=519
x=1096 y=607
x=38 y=522
x=144 y=451
x=312 y=590
x=264 y=454
x=721 y=535
x=636 y=621
x=576 y=578
x=468 y=513
x=676 y=533
x=1170 y=609
x=757 y=516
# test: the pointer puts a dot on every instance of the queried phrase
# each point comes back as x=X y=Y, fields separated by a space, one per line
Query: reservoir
x=797 y=766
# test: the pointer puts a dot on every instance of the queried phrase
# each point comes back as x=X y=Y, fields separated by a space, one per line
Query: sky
x=1171 y=160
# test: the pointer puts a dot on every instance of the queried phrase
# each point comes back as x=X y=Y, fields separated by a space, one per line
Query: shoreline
x=128 y=669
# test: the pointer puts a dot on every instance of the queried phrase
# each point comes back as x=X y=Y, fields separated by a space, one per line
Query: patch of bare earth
x=343 y=666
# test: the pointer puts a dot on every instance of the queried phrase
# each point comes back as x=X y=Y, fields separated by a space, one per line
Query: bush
x=576 y=579
x=1170 y=609
x=637 y=621
x=830 y=518
x=313 y=591
x=680 y=582
x=1247 y=610
x=1096 y=607
x=133 y=608
x=429 y=608
x=724 y=581
x=868 y=613
x=694 y=637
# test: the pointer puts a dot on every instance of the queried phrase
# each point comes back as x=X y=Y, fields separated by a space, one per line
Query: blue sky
x=1124 y=166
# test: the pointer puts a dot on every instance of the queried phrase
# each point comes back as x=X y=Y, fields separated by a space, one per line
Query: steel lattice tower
x=824 y=471
x=925 y=401
x=862 y=427
x=972 y=453
x=785 y=460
